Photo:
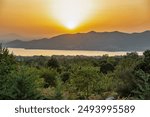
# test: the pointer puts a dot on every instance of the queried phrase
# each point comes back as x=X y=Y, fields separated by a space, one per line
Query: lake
x=38 y=52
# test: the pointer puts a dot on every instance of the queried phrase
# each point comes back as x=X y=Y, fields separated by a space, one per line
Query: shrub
x=22 y=84
x=142 y=83
x=49 y=76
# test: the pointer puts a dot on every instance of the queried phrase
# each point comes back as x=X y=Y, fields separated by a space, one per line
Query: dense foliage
x=79 y=77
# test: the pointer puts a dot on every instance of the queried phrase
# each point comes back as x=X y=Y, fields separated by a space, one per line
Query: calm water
x=32 y=52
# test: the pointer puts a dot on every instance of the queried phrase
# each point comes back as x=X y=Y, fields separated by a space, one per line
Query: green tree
x=83 y=82
x=53 y=63
x=147 y=56
x=49 y=76
x=106 y=67
x=22 y=84
x=145 y=63
x=58 y=90
x=124 y=74
x=65 y=76
x=124 y=81
x=142 y=85
x=7 y=61
x=7 y=65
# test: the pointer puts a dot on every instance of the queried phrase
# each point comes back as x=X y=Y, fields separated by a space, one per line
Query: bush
x=49 y=76
x=53 y=63
x=83 y=82
x=7 y=61
x=22 y=85
x=106 y=67
x=142 y=83
x=65 y=76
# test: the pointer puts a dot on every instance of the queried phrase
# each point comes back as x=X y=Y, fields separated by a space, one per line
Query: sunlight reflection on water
x=38 y=52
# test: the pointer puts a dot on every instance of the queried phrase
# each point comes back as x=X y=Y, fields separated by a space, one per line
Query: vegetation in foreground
x=60 y=77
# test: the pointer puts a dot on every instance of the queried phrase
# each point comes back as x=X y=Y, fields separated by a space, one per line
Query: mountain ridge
x=99 y=41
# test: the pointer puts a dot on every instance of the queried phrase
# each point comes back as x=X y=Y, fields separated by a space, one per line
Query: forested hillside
x=79 y=77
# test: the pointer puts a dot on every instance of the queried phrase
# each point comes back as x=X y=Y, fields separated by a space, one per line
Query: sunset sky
x=37 y=18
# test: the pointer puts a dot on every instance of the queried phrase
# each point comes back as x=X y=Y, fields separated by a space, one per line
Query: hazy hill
x=10 y=37
x=104 y=41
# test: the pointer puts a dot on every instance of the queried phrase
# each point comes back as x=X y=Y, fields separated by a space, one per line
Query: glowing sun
x=71 y=13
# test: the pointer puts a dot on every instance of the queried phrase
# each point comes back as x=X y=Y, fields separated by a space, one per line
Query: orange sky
x=34 y=17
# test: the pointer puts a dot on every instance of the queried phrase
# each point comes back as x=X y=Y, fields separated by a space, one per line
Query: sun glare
x=71 y=13
x=71 y=25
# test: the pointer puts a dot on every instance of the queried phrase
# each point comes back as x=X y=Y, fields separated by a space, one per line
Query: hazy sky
x=53 y=17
